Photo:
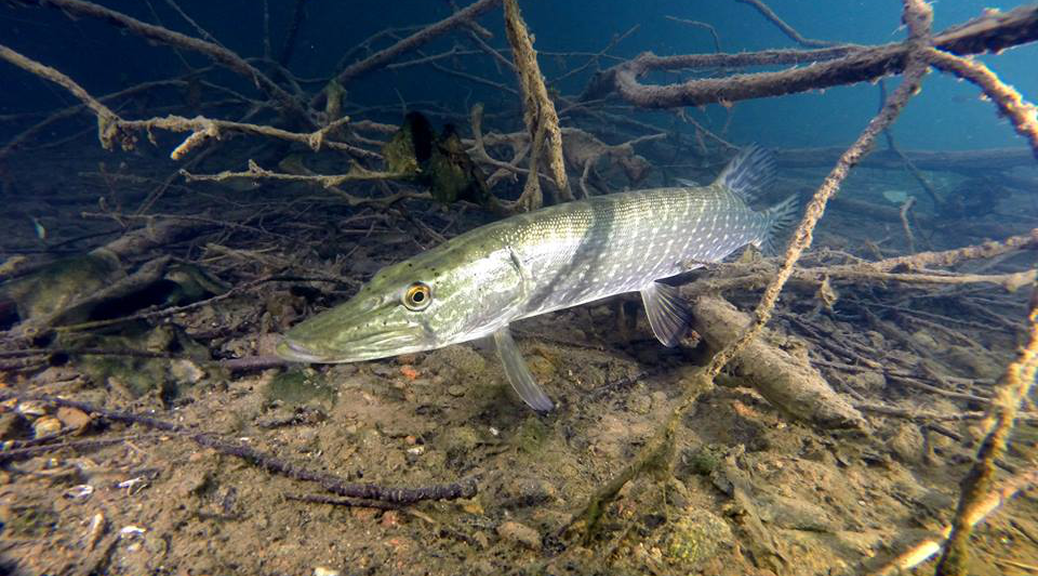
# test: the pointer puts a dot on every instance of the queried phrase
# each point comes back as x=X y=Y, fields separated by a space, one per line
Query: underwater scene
x=518 y=287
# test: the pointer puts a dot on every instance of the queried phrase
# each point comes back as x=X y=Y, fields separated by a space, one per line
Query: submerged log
x=962 y=161
x=789 y=383
x=826 y=67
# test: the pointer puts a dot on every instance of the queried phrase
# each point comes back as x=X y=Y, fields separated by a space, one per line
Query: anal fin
x=669 y=314
x=518 y=374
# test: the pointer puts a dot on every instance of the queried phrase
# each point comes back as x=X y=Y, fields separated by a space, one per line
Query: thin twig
x=218 y=53
x=466 y=488
x=1022 y=114
x=703 y=25
x=988 y=503
x=788 y=30
x=998 y=423
x=542 y=121
x=412 y=42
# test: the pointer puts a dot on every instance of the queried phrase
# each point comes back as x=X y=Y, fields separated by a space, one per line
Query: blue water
x=948 y=114
x=292 y=250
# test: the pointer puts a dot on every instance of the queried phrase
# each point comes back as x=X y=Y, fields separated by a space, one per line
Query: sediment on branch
x=787 y=382
x=836 y=66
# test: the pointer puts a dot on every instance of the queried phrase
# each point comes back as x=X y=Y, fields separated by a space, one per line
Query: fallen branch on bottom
x=790 y=384
x=914 y=268
x=466 y=488
x=926 y=549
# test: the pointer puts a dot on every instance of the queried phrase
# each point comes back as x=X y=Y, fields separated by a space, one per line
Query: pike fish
x=479 y=282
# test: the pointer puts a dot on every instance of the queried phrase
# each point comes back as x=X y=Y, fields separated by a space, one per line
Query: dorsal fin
x=749 y=172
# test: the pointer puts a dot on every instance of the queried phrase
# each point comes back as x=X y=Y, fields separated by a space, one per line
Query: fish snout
x=296 y=351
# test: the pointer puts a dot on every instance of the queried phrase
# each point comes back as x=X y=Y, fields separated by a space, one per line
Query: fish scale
x=588 y=250
x=476 y=284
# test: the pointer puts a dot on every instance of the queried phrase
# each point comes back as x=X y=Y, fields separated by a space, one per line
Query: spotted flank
x=477 y=283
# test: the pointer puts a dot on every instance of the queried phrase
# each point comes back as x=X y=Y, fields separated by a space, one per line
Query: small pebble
x=322 y=571
x=520 y=533
x=46 y=425
x=79 y=491
x=391 y=518
x=130 y=531
x=32 y=408
x=639 y=404
x=456 y=390
x=186 y=372
x=74 y=418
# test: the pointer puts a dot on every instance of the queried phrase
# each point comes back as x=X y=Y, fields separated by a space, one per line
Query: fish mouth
x=381 y=345
x=295 y=351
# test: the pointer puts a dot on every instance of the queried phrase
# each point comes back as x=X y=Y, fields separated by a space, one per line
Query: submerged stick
x=1021 y=113
x=999 y=421
x=298 y=13
x=218 y=53
x=466 y=488
x=112 y=129
x=826 y=67
x=803 y=235
x=918 y=16
x=789 y=384
x=909 y=237
x=801 y=240
x=108 y=122
x=989 y=503
x=538 y=109
x=416 y=40
x=788 y=30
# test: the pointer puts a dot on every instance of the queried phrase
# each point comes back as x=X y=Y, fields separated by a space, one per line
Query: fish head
x=438 y=298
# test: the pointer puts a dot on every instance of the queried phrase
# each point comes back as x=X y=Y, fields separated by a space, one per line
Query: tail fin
x=778 y=218
x=749 y=172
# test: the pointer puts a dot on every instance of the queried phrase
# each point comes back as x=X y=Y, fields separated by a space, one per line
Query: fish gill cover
x=827 y=210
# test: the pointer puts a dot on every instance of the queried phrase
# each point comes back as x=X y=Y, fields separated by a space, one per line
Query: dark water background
x=948 y=115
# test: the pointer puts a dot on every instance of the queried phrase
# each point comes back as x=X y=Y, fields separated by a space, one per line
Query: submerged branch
x=914 y=269
x=218 y=53
x=836 y=66
x=998 y=423
x=988 y=503
x=1010 y=103
x=108 y=122
x=382 y=57
x=788 y=30
x=538 y=110
x=255 y=172
x=114 y=130
x=466 y=488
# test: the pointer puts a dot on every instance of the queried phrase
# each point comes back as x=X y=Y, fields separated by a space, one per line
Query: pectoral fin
x=668 y=313
x=518 y=374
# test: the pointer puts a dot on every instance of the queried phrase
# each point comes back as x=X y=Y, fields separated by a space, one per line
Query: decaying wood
x=834 y=66
x=465 y=488
x=412 y=42
x=990 y=502
x=998 y=423
x=788 y=382
x=963 y=161
x=538 y=109
x=218 y=53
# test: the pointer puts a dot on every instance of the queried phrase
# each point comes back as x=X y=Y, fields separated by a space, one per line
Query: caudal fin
x=779 y=217
x=751 y=171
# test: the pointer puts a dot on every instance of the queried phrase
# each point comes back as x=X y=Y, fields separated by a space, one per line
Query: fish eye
x=418 y=296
